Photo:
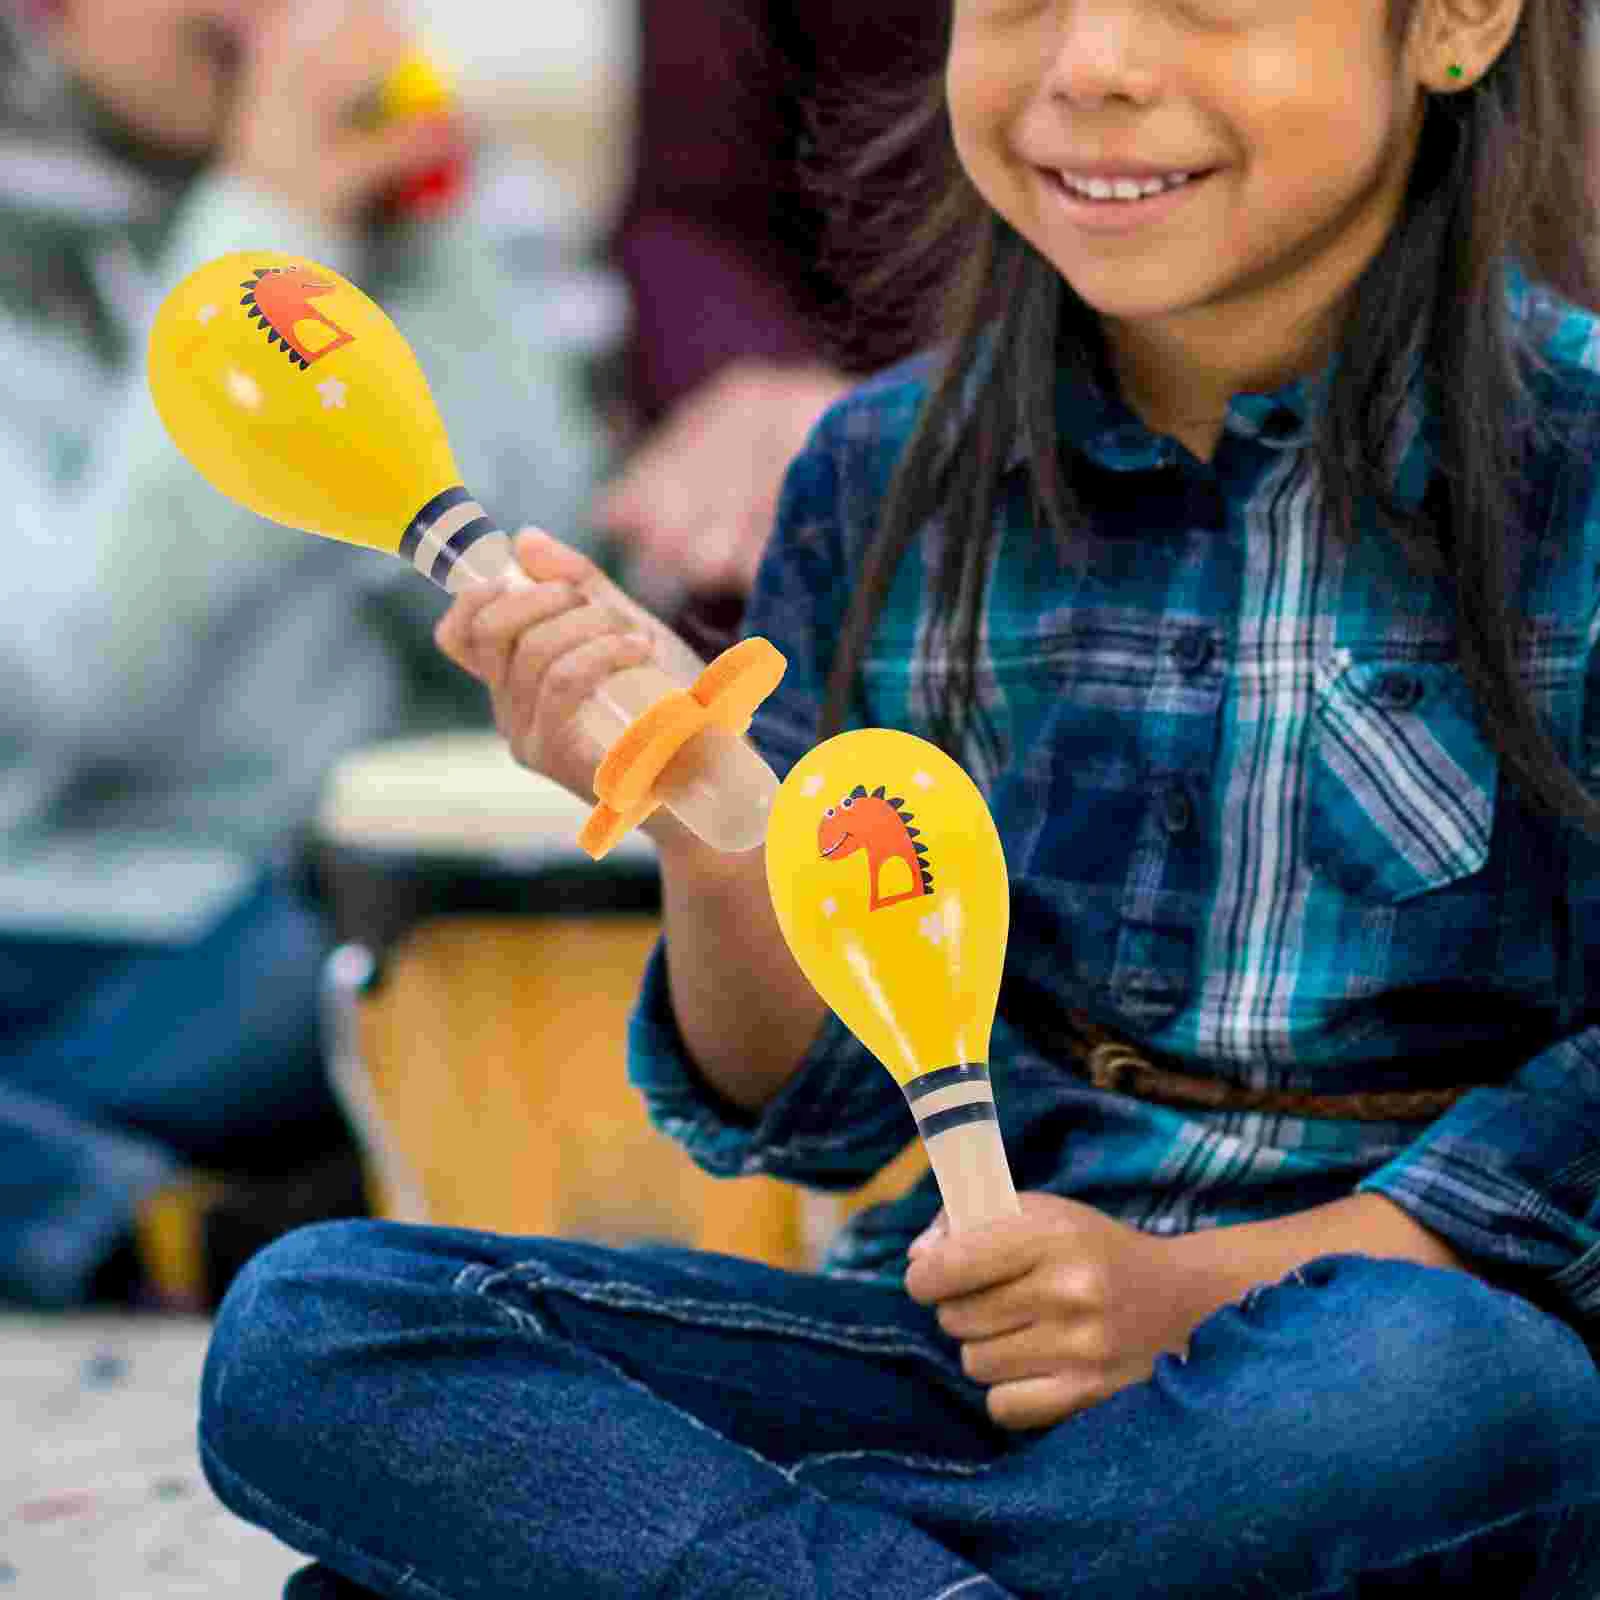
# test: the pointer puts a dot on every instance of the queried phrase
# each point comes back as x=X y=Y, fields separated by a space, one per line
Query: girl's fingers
x=987 y=1315
x=535 y=654
x=1041 y=1402
x=485 y=619
x=545 y=559
x=1009 y=1358
x=453 y=631
x=549 y=740
x=500 y=626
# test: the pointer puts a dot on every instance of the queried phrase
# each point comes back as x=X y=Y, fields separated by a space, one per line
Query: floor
x=101 y=1494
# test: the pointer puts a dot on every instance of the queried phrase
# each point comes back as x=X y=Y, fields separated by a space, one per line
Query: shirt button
x=1192 y=649
x=1399 y=690
x=1177 y=810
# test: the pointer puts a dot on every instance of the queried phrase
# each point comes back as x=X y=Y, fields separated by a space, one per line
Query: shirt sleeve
x=1510 y=1176
x=841 y=1116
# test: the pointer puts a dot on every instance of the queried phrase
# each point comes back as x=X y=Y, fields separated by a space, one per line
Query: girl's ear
x=1458 y=41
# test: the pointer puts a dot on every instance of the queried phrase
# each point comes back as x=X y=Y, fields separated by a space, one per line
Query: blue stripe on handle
x=956 y=1117
x=942 y=1078
x=456 y=546
x=426 y=518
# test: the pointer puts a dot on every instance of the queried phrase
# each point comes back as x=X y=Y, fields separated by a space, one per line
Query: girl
x=1242 y=542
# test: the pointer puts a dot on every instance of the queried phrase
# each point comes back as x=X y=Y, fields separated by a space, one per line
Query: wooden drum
x=476 y=1008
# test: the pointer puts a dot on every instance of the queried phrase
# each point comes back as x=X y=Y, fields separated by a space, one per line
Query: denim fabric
x=122 y=1063
x=1251 y=821
x=437 y=1413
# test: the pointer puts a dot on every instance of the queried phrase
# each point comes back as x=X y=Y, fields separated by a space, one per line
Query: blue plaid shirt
x=1251 y=823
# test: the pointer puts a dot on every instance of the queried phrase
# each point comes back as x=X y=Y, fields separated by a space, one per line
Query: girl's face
x=164 y=68
x=1307 y=114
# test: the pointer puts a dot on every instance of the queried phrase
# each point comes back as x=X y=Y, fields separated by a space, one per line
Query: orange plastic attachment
x=725 y=696
x=733 y=686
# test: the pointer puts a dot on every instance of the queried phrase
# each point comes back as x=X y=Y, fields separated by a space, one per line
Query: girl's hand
x=543 y=649
x=1056 y=1309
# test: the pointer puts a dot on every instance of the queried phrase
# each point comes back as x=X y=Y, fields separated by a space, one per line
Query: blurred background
x=554 y=82
x=552 y=87
x=100 y=1491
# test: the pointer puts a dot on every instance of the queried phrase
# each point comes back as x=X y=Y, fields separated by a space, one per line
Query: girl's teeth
x=1123 y=188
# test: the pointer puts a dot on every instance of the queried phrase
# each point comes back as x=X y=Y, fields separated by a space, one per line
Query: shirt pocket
x=1402 y=783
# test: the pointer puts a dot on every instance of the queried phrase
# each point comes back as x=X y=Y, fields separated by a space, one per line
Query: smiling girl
x=1241 y=538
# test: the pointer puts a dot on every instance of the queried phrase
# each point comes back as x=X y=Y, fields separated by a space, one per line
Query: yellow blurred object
x=890 y=886
x=170 y=1233
x=294 y=394
x=419 y=86
x=495 y=1047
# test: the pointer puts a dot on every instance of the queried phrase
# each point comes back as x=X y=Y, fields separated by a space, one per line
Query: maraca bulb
x=293 y=393
x=890 y=887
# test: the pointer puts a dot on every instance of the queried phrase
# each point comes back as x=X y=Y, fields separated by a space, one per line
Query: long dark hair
x=1500 y=171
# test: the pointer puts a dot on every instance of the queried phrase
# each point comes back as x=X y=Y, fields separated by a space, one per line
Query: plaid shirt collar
x=1114 y=437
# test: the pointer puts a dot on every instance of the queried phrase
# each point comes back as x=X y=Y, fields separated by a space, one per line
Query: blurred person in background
x=737 y=250
x=181 y=674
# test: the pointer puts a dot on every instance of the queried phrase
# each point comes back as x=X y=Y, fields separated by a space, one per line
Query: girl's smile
x=1119 y=213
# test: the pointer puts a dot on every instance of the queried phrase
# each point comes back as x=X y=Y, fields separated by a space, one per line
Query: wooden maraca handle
x=717 y=785
x=973 y=1174
x=954 y=1108
x=488 y=559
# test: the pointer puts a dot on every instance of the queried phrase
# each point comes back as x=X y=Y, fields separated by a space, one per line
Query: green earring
x=1456 y=72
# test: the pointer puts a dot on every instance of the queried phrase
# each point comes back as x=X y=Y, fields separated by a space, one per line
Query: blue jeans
x=434 y=1413
x=121 y=1064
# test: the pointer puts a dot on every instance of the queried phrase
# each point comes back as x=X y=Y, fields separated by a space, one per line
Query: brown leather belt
x=1112 y=1063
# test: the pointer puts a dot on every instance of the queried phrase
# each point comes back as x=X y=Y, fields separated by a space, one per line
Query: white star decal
x=811 y=786
x=333 y=393
x=206 y=313
x=829 y=906
x=923 y=781
x=932 y=927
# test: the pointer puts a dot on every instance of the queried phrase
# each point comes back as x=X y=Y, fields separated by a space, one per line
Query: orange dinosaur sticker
x=280 y=299
x=870 y=822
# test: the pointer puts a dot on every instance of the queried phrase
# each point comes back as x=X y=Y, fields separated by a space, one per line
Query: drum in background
x=477 y=1003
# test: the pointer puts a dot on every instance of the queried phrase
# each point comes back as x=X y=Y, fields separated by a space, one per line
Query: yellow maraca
x=890 y=887
x=293 y=393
